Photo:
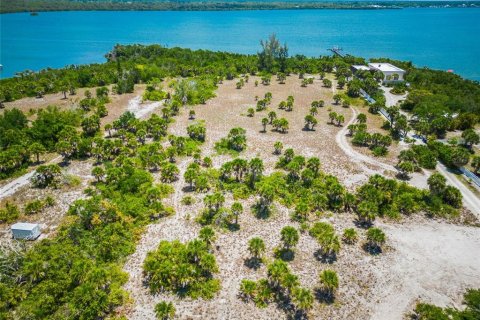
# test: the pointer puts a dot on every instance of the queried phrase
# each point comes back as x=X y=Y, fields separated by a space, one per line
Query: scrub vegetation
x=177 y=211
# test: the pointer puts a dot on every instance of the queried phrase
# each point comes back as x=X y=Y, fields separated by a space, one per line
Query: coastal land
x=10 y=6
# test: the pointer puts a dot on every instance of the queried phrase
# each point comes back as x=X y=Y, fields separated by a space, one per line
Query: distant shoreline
x=236 y=5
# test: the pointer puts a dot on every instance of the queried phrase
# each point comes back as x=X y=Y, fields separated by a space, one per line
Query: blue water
x=438 y=38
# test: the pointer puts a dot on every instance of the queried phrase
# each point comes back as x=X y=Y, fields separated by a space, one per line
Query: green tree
x=264 y=124
x=437 y=183
x=278 y=146
x=302 y=299
x=256 y=247
x=375 y=238
x=207 y=235
x=37 y=149
x=476 y=164
x=337 y=98
x=98 y=173
x=237 y=210
x=329 y=282
x=165 y=310
x=273 y=55
x=289 y=237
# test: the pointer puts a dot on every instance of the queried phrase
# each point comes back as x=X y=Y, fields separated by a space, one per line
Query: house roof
x=385 y=67
x=360 y=67
x=24 y=226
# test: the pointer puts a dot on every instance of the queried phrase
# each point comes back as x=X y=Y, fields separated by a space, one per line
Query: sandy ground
x=50 y=217
x=369 y=284
x=422 y=259
x=432 y=262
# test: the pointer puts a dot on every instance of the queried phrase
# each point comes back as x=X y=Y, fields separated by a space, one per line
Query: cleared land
x=423 y=259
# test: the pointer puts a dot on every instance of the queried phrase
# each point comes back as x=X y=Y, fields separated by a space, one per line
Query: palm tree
x=207 y=235
x=37 y=149
x=329 y=281
x=237 y=209
x=375 y=238
x=289 y=237
x=436 y=183
x=278 y=146
x=165 y=310
x=98 y=173
x=350 y=236
x=314 y=165
x=276 y=272
x=272 y=116
x=264 y=124
x=303 y=299
x=256 y=169
x=340 y=119
x=256 y=247
x=337 y=98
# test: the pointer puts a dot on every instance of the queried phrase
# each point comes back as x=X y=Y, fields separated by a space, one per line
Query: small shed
x=26 y=231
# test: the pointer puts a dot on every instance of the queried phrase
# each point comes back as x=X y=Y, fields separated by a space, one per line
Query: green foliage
x=256 y=247
x=326 y=237
x=165 y=310
x=34 y=206
x=375 y=238
x=350 y=236
x=329 y=281
x=280 y=284
x=9 y=213
x=185 y=269
x=47 y=176
x=235 y=141
x=197 y=131
x=424 y=311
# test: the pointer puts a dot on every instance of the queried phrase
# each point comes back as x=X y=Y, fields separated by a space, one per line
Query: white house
x=390 y=72
x=24 y=230
x=358 y=67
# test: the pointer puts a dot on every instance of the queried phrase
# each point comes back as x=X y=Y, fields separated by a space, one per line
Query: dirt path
x=341 y=139
x=140 y=109
x=20 y=182
x=470 y=200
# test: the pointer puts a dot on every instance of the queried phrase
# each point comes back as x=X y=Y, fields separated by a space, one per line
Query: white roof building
x=391 y=73
x=358 y=67
x=24 y=230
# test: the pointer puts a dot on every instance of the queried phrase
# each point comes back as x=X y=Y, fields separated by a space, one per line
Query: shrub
x=165 y=310
x=188 y=200
x=186 y=269
x=10 y=213
x=34 y=206
x=350 y=236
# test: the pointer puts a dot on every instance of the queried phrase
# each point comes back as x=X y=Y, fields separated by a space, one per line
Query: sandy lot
x=369 y=284
x=433 y=261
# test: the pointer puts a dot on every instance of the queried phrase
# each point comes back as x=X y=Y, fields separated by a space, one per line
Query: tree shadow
x=362 y=224
x=325 y=257
x=188 y=189
x=261 y=212
x=308 y=129
x=285 y=254
x=402 y=176
x=323 y=296
x=253 y=263
x=372 y=249
x=233 y=227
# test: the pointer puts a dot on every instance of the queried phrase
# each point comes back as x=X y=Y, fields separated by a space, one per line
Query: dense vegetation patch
x=186 y=269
